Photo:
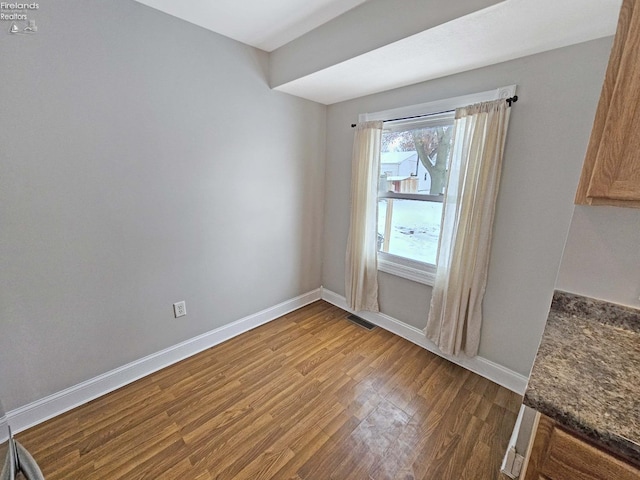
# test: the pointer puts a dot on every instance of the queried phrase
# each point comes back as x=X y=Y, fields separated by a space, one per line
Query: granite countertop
x=586 y=375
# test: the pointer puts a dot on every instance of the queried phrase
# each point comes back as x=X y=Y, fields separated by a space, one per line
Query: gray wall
x=548 y=134
x=602 y=256
x=143 y=161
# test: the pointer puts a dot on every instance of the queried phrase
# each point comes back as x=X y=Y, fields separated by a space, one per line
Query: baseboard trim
x=41 y=410
x=486 y=368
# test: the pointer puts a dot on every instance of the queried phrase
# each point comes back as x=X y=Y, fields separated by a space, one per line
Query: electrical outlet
x=179 y=309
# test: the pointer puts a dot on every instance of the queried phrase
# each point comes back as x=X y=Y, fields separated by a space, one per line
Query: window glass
x=413 y=172
x=414 y=228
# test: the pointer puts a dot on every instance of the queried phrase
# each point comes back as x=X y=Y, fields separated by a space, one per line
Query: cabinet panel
x=559 y=455
x=611 y=171
x=616 y=172
x=570 y=459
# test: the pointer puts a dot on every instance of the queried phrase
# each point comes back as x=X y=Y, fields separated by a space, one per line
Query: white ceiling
x=508 y=30
x=264 y=24
x=504 y=31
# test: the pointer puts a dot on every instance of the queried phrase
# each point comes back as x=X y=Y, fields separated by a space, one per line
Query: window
x=413 y=171
x=410 y=191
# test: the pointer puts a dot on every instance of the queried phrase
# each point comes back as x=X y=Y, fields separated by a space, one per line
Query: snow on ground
x=415 y=228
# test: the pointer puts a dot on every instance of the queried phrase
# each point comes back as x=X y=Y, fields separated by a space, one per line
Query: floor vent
x=360 y=321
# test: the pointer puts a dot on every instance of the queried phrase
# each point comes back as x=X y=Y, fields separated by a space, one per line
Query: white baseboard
x=41 y=410
x=36 y=412
x=486 y=368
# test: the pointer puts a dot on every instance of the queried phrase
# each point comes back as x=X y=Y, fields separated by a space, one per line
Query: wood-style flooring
x=308 y=396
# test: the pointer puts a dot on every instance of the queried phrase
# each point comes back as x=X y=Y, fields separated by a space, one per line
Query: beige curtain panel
x=455 y=316
x=361 y=274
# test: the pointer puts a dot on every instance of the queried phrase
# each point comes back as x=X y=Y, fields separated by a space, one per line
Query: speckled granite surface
x=586 y=374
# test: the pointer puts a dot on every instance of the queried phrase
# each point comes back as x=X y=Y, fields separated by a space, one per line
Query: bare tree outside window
x=432 y=144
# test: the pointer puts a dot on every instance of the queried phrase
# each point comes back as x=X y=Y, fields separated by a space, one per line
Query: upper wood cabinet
x=611 y=171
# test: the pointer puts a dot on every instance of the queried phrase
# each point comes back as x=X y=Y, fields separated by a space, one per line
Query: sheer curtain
x=361 y=282
x=455 y=316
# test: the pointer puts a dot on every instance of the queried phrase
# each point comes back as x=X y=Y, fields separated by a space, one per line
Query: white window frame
x=414 y=270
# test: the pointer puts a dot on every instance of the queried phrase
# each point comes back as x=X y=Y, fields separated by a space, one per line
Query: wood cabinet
x=556 y=454
x=611 y=171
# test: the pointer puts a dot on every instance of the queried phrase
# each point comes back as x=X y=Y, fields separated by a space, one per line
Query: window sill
x=410 y=269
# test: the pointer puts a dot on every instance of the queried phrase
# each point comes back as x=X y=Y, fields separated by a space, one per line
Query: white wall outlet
x=179 y=309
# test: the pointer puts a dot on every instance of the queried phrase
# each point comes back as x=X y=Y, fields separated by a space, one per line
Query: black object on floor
x=360 y=321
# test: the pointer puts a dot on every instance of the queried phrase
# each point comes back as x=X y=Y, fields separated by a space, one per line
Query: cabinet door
x=616 y=173
x=610 y=173
x=558 y=455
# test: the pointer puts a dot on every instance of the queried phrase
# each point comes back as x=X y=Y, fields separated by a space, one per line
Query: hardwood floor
x=307 y=396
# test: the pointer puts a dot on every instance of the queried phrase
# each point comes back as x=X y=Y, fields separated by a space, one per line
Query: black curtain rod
x=510 y=101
